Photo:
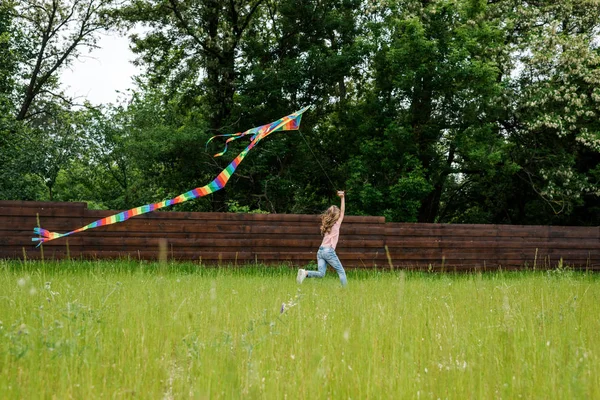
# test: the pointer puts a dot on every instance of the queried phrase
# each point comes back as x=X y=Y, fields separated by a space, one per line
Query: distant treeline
x=463 y=111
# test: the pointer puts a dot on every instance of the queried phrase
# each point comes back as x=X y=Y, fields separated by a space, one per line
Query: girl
x=331 y=220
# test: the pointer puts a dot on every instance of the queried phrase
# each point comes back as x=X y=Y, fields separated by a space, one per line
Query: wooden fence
x=238 y=239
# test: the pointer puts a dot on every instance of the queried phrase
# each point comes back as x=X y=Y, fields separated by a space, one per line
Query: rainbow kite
x=291 y=122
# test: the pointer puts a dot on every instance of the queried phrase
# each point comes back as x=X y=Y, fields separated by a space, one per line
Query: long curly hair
x=329 y=218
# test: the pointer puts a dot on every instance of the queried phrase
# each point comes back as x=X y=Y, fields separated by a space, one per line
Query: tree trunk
x=420 y=113
x=431 y=205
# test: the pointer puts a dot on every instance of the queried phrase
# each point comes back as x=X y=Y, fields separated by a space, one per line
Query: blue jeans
x=326 y=255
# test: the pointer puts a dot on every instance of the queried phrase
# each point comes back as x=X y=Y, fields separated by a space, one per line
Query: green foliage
x=463 y=111
x=7 y=60
x=436 y=78
x=17 y=182
x=234 y=206
x=559 y=143
x=39 y=126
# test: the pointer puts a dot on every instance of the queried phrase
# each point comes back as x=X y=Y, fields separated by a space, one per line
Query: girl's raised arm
x=342 y=195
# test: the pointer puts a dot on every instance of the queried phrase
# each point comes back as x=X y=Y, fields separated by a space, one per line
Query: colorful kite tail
x=45 y=235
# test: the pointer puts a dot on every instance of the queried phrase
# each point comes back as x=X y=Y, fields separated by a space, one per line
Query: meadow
x=124 y=329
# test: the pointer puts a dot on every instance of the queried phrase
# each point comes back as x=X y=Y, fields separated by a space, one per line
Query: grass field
x=127 y=329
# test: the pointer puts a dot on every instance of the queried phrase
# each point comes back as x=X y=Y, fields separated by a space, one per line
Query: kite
x=288 y=123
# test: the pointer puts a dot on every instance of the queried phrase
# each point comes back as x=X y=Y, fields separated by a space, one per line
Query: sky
x=98 y=75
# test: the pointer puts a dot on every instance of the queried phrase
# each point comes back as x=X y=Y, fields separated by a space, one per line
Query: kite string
x=316 y=158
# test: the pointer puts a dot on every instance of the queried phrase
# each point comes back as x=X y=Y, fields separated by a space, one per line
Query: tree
x=56 y=33
x=430 y=114
x=15 y=180
x=164 y=142
x=38 y=39
x=193 y=47
x=8 y=61
x=56 y=143
x=311 y=53
x=241 y=64
x=556 y=131
x=104 y=173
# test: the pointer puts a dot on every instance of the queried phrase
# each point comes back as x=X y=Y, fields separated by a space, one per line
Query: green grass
x=129 y=329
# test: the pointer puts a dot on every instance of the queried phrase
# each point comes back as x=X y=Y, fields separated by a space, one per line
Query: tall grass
x=123 y=329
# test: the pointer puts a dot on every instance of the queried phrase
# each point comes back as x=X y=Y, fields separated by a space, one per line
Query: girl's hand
x=341 y=193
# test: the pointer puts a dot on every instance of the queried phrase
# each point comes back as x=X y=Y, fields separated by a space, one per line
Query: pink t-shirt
x=331 y=238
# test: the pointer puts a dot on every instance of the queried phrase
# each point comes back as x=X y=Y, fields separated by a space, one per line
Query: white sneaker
x=302 y=274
